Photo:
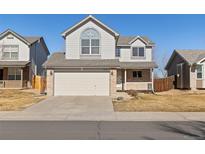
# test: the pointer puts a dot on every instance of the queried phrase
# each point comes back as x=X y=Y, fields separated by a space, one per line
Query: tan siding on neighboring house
x=199 y=84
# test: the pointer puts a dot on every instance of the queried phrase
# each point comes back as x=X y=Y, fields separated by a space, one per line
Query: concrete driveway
x=73 y=107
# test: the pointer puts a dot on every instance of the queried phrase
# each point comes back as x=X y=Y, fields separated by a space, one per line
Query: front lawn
x=164 y=102
x=13 y=100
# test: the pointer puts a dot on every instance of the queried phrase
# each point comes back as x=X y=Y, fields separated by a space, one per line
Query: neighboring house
x=98 y=61
x=188 y=66
x=20 y=59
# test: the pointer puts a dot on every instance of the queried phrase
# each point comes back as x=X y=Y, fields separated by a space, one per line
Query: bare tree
x=161 y=61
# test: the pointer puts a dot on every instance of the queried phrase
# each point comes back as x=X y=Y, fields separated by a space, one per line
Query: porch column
x=22 y=77
x=152 y=78
x=125 y=79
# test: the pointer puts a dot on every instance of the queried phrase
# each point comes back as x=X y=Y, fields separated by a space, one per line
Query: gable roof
x=128 y=40
x=28 y=40
x=86 y=20
x=190 y=56
x=32 y=39
x=9 y=31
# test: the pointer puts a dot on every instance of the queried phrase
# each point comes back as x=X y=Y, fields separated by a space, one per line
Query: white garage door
x=81 y=84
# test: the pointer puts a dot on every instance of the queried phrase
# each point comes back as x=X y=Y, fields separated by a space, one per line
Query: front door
x=1 y=74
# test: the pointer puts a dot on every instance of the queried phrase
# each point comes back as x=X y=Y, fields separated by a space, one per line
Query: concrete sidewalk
x=92 y=109
x=115 y=116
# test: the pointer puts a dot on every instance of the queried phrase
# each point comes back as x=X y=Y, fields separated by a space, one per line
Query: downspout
x=152 y=74
x=35 y=60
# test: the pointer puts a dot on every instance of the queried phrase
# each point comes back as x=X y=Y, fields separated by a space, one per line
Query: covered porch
x=14 y=76
x=135 y=79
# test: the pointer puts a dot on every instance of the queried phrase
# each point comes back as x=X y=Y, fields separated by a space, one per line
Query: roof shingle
x=124 y=40
x=57 y=60
x=192 y=56
x=14 y=63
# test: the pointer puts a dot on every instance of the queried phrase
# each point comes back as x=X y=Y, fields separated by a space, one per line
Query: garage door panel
x=82 y=84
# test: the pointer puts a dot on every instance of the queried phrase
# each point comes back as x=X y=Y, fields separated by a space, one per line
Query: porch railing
x=10 y=84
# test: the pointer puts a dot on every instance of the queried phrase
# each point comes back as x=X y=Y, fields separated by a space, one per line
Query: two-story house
x=20 y=59
x=98 y=61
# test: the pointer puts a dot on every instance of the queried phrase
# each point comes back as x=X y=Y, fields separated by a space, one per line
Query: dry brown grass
x=13 y=100
x=164 y=102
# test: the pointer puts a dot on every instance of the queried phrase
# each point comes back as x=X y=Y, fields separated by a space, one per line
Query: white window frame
x=137 y=77
x=202 y=72
x=90 y=43
x=118 y=49
x=10 y=57
x=138 y=51
x=15 y=74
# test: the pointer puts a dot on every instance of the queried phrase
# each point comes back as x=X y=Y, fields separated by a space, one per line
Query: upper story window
x=117 y=52
x=199 y=71
x=90 y=42
x=138 y=52
x=10 y=52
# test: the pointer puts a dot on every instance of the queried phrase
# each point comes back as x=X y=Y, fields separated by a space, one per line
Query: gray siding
x=38 y=57
x=172 y=70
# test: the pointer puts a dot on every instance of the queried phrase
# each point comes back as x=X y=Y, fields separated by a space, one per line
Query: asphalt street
x=102 y=130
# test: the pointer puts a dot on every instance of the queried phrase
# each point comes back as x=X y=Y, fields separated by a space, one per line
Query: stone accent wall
x=50 y=82
x=113 y=81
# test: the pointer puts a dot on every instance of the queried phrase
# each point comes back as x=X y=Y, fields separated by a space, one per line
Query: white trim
x=138 y=52
x=201 y=72
x=90 y=41
x=201 y=60
x=15 y=34
x=136 y=38
x=125 y=79
x=152 y=76
x=87 y=18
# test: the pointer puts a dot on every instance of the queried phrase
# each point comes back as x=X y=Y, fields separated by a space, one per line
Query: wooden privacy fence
x=164 y=84
x=39 y=83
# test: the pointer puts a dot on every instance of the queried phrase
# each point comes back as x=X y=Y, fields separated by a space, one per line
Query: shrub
x=132 y=93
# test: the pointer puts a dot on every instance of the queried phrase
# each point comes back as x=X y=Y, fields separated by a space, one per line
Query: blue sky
x=169 y=32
